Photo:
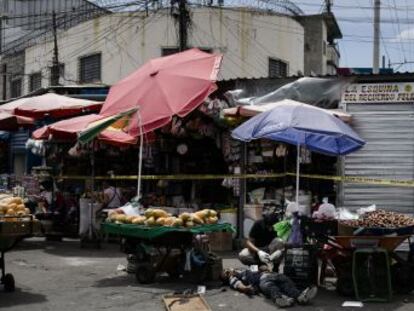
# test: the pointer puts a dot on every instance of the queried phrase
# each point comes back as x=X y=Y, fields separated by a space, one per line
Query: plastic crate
x=371 y=275
x=301 y=266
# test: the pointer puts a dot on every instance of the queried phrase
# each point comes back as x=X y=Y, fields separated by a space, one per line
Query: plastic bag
x=345 y=214
x=296 y=238
x=130 y=209
x=363 y=210
x=325 y=211
x=293 y=208
x=283 y=229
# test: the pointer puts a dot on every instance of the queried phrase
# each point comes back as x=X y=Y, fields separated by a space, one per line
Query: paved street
x=61 y=276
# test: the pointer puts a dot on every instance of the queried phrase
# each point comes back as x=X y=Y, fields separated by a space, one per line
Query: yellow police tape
x=346 y=179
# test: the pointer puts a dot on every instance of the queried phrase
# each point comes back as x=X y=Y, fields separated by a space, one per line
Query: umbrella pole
x=91 y=220
x=141 y=145
x=297 y=173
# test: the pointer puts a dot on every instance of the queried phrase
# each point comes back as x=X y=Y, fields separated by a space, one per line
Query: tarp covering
x=320 y=92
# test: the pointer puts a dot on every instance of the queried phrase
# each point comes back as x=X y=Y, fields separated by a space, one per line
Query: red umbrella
x=69 y=129
x=10 y=122
x=50 y=104
x=164 y=87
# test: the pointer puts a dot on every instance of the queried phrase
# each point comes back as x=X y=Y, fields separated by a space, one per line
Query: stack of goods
x=12 y=206
x=159 y=217
x=381 y=219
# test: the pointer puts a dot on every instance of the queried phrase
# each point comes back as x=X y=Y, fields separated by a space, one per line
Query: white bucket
x=230 y=218
x=85 y=215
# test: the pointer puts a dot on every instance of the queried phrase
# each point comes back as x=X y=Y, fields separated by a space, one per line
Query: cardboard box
x=220 y=241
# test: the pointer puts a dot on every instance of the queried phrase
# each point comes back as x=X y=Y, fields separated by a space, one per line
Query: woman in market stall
x=112 y=195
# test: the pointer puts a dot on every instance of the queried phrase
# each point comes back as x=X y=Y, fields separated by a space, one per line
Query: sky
x=355 y=19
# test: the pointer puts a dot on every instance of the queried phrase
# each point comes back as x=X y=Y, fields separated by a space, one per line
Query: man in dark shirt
x=278 y=287
x=263 y=246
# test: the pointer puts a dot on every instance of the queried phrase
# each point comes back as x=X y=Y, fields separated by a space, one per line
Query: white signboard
x=379 y=93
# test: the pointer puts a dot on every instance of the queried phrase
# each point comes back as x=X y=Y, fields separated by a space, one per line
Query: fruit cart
x=165 y=248
x=12 y=230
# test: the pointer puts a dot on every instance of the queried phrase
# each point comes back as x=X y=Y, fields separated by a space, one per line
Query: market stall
x=160 y=242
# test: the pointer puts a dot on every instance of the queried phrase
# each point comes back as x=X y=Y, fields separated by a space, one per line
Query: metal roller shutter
x=388 y=130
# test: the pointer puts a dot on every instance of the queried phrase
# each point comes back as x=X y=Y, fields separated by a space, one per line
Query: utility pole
x=328 y=4
x=183 y=16
x=55 y=70
x=376 y=47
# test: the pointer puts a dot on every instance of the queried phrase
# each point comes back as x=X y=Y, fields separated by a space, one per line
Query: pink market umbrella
x=69 y=129
x=11 y=122
x=164 y=87
x=50 y=104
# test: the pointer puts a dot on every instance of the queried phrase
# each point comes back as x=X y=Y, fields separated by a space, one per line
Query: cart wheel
x=173 y=274
x=345 y=286
x=145 y=273
x=8 y=282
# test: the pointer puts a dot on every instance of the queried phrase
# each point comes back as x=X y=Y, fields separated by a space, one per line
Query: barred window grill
x=277 y=68
x=16 y=88
x=35 y=81
x=90 y=68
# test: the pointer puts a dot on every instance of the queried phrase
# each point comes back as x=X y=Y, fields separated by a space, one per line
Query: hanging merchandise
x=207 y=130
x=213 y=107
x=176 y=127
x=281 y=151
x=182 y=149
x=305 y=156
x=37 y=147
x=76 y=151
x=148 y=157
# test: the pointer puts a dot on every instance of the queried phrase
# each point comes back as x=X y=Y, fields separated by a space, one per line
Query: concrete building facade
x=24 y=23
x=321 y=52
x=254 y=44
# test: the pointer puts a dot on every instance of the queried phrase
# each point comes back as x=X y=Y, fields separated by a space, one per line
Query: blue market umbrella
x=301 y=125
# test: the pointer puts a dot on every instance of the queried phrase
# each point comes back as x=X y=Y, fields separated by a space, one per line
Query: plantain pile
x=381 y=219
x=159 y=217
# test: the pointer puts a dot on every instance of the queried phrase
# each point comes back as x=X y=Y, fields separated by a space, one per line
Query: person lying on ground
x=263 y=246
x=278 y=287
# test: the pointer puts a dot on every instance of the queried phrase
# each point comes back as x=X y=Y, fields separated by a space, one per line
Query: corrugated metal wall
x=18 y=140
x=388 y=130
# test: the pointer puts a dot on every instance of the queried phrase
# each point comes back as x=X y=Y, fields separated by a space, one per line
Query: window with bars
x=277 y=68
x=16 y=88
x=35 y=81
x=90 y=68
